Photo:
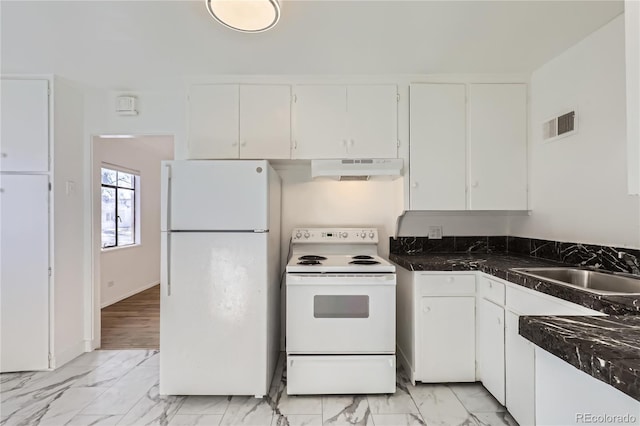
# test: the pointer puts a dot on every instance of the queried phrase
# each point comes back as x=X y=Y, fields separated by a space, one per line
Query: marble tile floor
x=120 y=387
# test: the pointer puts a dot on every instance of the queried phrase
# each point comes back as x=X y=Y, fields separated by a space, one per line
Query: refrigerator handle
x=168 y=228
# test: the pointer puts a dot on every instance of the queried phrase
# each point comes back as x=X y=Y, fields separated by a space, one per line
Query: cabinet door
x=446 y=330
x=372 y=114
x=265 y=121
x=24 y=272
x=519 y=373
x=320 y=122
x=213 y=121
x=490 y=349
x=498 y=146
x=437 y=146
x=25 y=126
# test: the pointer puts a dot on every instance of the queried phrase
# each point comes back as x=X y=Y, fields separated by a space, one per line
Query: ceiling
x=140 y=44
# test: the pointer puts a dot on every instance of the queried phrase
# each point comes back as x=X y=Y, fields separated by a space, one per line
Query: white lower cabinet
x=435 y=319
x=520 y=370
x=490 y=347
x=567 y=396
x=519 y=373
x=446 y=340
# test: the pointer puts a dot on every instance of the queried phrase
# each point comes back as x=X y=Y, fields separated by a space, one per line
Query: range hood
x=357 y=169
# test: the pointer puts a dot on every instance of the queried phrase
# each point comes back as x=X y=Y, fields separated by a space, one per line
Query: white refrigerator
x=220 y=289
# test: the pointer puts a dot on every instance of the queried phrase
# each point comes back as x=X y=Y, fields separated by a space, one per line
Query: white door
x=265 y=121
x=447 y=340
x=25 y=126
x=498 y=146
x=519 y=373
x=320 y=122
x=213 y=313
x=217 y=195
x=24 y=272
x=213 y=121
x=490 y=352
x=438 y=146
x=372 y=117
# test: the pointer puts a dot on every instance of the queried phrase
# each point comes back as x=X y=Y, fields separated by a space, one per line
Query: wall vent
x=560 y=126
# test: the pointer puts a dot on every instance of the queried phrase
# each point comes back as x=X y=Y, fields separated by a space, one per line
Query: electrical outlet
x=110 y=284
x=435 y=232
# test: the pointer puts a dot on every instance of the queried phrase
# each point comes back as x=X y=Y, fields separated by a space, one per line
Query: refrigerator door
x=215 y=195
x=213 y=330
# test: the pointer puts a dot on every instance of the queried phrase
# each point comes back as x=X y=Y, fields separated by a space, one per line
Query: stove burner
x=364 y=262
x=312 y=257
x=309 y=262
x=362 y=257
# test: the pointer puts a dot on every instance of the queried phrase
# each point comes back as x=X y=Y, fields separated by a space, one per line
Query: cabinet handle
x=351 y=142
x=499 y=321
x=344 y=143
x=3 y=155
x=450 y=279
x=474 y=184
x=414 y=185
x=243 y=143
x=235 y=143
x=490 y=284
x=426 y=309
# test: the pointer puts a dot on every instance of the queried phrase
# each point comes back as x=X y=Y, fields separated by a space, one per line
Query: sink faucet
x=631 y=261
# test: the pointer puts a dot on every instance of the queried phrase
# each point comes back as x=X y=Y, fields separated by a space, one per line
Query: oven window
x=328 y=306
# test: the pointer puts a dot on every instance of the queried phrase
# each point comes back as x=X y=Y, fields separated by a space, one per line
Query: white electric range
x=341 y=313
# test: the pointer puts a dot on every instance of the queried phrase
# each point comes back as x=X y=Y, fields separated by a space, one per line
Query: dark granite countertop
x=607 y=348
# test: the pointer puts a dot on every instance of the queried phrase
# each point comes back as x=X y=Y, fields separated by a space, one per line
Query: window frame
x=134 y=202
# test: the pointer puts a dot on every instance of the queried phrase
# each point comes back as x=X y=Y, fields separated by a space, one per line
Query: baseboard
x=64 y=357
x=129 y=294
x=405 y=365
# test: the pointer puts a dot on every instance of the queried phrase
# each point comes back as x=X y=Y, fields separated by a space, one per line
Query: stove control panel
x=335 y=235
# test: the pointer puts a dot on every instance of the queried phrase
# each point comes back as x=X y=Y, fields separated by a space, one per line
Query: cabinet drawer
x=524 y=302
x=491 y=290
x=445 y=285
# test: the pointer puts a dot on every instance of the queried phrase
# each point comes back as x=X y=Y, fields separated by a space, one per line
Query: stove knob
x=298 y=235
x=344 y=235
x=306 y=235
x=371 y=235
x=363 y=235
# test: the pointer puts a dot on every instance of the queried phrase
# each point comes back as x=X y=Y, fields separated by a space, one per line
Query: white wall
x=579 y=184
x=307 y=202
x=68 y=227
x=468 y=223
x=135 y=268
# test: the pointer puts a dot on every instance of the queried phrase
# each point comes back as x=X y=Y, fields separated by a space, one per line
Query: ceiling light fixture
x=247 y=16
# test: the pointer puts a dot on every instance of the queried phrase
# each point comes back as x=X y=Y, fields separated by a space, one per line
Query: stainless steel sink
x=594 y=281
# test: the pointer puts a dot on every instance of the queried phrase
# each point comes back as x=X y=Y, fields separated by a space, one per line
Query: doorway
x=125 y=199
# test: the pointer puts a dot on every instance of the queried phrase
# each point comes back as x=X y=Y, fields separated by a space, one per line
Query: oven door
x=341 y=313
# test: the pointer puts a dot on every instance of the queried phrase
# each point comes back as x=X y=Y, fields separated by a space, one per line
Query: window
x=118 y=208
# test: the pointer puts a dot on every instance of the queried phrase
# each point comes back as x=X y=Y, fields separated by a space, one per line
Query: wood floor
x=133 y=323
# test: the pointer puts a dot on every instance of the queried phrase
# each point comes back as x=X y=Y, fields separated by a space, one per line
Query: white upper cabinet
x=320 y=117
x=214 y=121
x=497 y=131
x=372 y=116
x=25 y=126
x=335 y=121
x=239 y=121
x=437 y=147
x=265 y=121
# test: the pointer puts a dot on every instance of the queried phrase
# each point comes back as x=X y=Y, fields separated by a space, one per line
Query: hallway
x=133 y=323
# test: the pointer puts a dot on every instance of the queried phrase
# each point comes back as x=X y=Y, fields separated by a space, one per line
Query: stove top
x=339 y=263
x=336 y=250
